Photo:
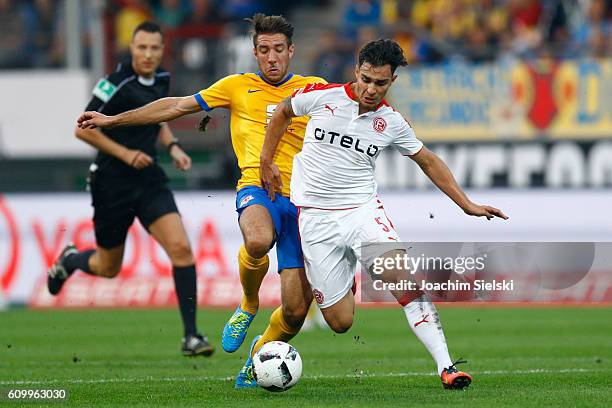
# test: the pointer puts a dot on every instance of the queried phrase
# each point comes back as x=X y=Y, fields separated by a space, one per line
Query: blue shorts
x=285 y=218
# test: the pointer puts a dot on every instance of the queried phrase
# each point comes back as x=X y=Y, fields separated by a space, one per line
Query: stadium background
x=515 y=95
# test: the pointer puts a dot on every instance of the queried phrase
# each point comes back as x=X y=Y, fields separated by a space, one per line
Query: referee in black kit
x=126 y=182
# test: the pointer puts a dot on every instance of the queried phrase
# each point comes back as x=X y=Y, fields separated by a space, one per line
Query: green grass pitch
x=519 y=357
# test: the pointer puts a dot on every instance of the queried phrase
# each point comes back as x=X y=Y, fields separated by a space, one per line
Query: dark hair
x=382 y=52
x=262 y=24
x=149 y=27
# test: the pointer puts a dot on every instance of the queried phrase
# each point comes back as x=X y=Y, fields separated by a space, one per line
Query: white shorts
x=334 y=240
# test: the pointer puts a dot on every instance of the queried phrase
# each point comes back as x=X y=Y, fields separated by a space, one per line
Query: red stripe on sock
x=405 y=299
x=409 y=297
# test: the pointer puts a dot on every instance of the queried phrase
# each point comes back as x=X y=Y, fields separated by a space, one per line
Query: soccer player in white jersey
x=333 y=185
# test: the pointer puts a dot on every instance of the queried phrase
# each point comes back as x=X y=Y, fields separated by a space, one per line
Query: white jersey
x=335 y=168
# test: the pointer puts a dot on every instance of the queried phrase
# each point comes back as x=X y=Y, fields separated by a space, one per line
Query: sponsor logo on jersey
x=253 y=90
x=318 y=296
x=246 y=200
x=348 y=142
x=104 y=90
x=379 y=124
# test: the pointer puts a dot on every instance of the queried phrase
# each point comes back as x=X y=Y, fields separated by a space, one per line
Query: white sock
x=424 y=321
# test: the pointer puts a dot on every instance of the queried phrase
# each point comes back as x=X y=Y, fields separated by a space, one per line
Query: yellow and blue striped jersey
x=251 y=101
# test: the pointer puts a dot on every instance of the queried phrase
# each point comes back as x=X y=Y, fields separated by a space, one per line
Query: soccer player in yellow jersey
x=252 y=98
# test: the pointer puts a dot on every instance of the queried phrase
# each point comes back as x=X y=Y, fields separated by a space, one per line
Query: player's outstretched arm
x=268 y=171
x=441 y=176
x=161 y=110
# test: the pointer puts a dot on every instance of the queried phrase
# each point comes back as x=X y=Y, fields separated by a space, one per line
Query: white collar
x=146 y=81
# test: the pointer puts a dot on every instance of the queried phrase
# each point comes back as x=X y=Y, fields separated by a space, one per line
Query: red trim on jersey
x=383 y=103
x=350 y=94
x=315 y=87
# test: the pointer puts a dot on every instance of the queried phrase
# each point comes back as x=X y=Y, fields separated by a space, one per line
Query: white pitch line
x=181 y=363
x=311 y=377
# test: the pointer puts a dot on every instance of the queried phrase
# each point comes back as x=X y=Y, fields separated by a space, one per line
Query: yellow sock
x=252 y=272
x=277 y=329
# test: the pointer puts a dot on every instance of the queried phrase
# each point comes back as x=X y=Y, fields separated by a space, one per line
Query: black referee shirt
x=121 y=91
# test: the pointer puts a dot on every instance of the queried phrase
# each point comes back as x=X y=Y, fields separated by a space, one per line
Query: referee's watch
x=174 y=142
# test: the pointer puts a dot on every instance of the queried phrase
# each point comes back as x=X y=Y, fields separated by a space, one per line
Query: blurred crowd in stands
x=430 y=31
x=207 y=39
x=30 y=34
x=434 y=31
x=32 y=31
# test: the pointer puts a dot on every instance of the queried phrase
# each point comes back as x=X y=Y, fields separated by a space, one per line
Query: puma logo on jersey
x=331 y=109
x=348 y=142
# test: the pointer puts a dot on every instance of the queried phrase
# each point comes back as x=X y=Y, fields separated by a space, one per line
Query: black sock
x=80 y=260
x=186 y=293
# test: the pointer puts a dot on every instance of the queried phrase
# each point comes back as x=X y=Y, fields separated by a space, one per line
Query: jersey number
x=270 y=111
x=384 y=226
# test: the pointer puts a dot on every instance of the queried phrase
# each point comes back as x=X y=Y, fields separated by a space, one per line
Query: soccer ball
x=277 y=366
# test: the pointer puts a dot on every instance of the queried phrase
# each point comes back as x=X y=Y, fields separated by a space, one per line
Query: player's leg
x=110 y=225
x=314 y=319
x=97 y=262
x=258 y=221
x=285 y=321
x=378 y=234
x=339 y=316
x=102 y=262
x=158 y=213
x=258 y=233
x=330 y=263
x=421 y=314
x=296 y=296
x=424 y=321
x=169 y=231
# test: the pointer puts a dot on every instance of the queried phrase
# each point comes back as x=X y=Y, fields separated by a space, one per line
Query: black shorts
x=116 y=204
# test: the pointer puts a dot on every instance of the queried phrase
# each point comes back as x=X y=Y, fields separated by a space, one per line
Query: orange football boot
x=453 y=379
